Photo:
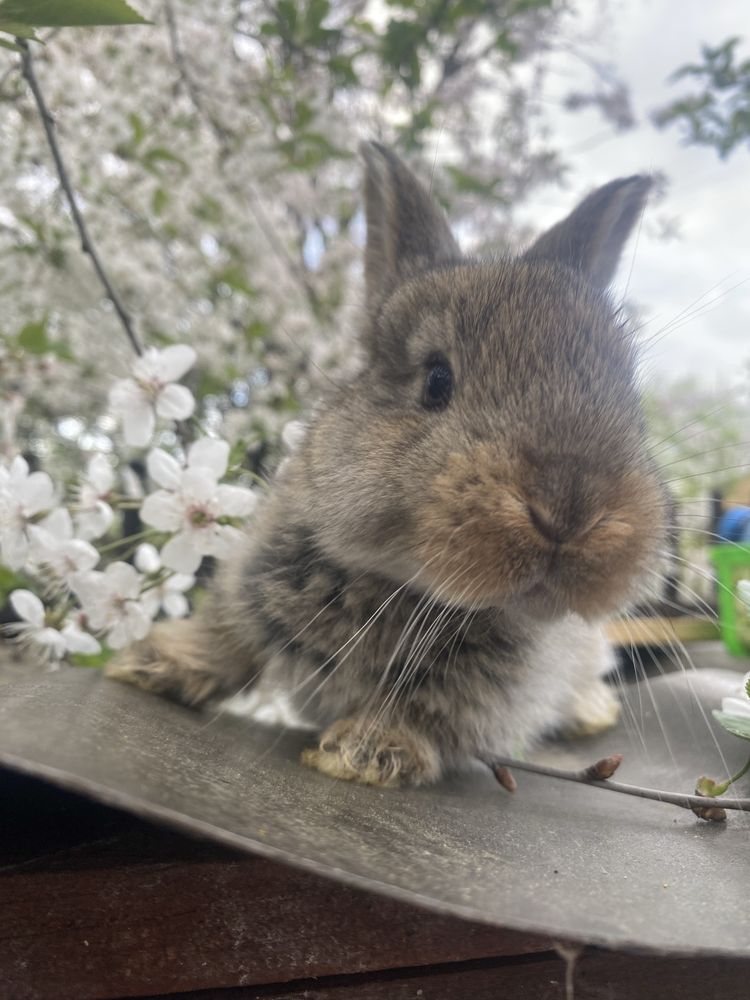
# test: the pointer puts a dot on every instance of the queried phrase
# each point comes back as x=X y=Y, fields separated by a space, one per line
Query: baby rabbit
x=428 y=574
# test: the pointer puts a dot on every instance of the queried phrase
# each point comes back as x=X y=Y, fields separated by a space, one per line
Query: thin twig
x=27 y=68
x=247 y=192
x=594 y=776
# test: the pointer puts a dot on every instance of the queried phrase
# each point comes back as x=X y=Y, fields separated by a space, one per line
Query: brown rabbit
x=427 y=576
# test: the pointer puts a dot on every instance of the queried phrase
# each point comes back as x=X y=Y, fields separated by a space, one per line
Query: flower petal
x=181 y=554
x=222 y=541
x=89 y=588
x=123 y=580
x=94 y=523
x=14 y=549
x=175 y=605
x=235 y=501
x=151 y=602
x=198 y=486
x=78 y=641
x=738 y=707
x=123 y=394
x=175 y=402
x=100 y=474
x=37 y=493
x=163 y=510
x=79 y=556
x=52 y=639
x=165 y=470
x=209 y=453
x=19 y=470
x=147 y=558
x=293 y=434
x=28 y=606
x=138 y=423
x=174 y=361
x=58 y=524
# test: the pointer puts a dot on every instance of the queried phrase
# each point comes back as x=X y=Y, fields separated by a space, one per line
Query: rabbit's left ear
x=592 y=237
x=406 y=231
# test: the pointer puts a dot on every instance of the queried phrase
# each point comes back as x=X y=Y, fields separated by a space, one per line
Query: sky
x=646 y=40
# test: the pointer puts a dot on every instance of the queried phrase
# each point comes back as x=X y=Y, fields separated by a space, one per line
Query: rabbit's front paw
x=594 y=709
x=355 y=750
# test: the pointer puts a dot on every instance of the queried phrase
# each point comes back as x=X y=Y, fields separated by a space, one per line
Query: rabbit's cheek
x=475 y=538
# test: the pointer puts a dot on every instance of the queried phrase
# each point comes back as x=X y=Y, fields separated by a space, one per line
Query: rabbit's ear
x=592 y=237
x=406 y=231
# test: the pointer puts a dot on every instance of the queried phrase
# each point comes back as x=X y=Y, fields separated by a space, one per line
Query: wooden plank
x=595 y=976
x=143 y=911
x=660 y=631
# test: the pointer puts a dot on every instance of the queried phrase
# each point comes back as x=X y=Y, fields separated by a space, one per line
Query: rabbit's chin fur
x=426 y=581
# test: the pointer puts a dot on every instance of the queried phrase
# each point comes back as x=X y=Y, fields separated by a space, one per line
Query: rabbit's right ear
x=406 y=231
x=591 y=239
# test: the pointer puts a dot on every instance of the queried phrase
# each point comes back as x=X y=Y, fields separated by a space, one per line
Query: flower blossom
x=113 y=603
x=33 y=627
x=195 y=505
x=94 y=514
x=152 y=392
x=169 y=595
x=53 y=545
x=293 y=434
x=24 y=498
x=738 y=704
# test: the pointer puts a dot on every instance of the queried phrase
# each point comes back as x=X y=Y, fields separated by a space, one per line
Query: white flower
x=152 y=392
x=53 y=545
x=192 y=503
x=55 y=643
x=23 y=497
x=94 y=515
x=168 y=595
x=738 y=704
x=293 y=434
x=112 y=603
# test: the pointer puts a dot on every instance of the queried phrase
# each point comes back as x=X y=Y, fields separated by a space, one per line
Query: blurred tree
x=214 y=158
x=718 y=114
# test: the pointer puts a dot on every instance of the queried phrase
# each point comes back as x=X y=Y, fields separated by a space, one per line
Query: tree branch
x=27 y=68
x=597 y=775
x=223 y=137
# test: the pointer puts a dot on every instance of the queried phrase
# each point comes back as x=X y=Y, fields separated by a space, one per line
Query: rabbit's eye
x=438 y=386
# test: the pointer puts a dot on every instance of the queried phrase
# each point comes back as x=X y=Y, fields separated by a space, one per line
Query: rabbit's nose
x=554 y=529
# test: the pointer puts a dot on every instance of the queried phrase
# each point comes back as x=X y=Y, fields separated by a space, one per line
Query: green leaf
x=100 y=659
x=737 y=725
x=69 y=14
x=33 y=338
x=235 y=278
x=139 y=129
x=155 y=158
x=19 y=30
x=9 y=581
x=159 y=201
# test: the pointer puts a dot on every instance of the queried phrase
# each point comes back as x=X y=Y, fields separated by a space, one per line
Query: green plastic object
x=732 y=564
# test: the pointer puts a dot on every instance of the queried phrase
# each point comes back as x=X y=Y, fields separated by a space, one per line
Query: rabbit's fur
x=427 y=582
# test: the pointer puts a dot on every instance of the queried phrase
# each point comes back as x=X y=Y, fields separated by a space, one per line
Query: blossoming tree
x=205 y=164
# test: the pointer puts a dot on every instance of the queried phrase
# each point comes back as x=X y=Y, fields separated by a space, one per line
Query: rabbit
x=429 y=574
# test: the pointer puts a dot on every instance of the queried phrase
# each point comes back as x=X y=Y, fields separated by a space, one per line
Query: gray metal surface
x=554 y=858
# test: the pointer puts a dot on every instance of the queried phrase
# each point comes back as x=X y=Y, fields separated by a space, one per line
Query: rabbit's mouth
x=485 y=541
